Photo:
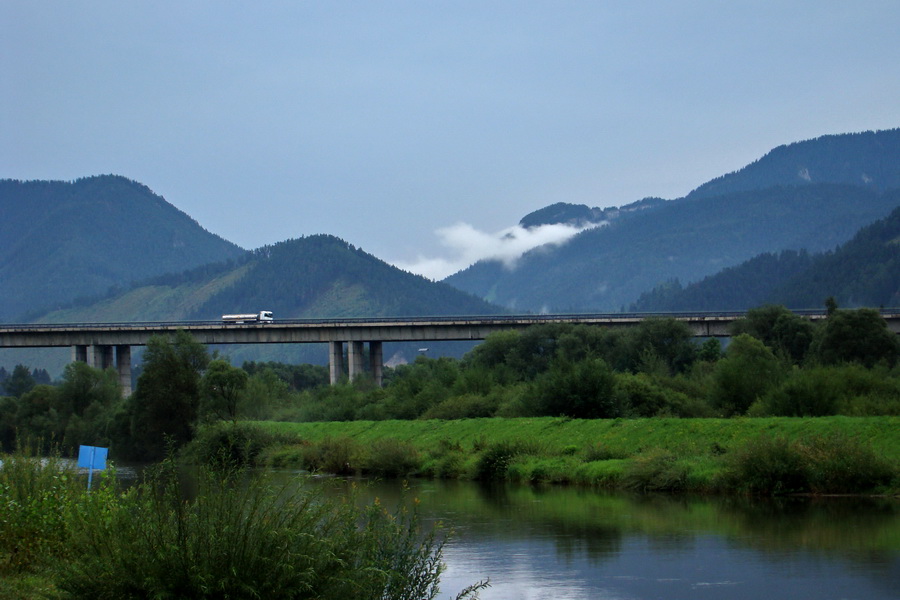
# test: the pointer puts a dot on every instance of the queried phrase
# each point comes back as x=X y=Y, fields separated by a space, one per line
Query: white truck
x=263 y=316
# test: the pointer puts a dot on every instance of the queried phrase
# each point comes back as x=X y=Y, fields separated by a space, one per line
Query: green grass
x=643 y=454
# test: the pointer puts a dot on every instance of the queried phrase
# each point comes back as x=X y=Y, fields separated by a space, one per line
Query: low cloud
x=467 y=245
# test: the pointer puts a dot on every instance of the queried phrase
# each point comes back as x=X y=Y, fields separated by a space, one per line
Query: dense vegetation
x=776 y=364
x=864 y=271
x=231 y=537
x=62 y=240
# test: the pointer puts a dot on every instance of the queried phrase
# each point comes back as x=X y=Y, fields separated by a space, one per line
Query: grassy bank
x=765 y=455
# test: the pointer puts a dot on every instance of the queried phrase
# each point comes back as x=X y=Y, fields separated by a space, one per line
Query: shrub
x=36 y=497
x=392 y=458
x=655 y=471
x=243 y=538
x=233 y=444
x=465 y=406
x=493 y=464
x=820 y=464
x=838 y=464
x=338 y=456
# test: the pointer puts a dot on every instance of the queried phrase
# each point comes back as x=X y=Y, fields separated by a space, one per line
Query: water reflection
x=565 y=543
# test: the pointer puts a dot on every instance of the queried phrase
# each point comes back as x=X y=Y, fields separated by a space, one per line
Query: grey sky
x=383 y=122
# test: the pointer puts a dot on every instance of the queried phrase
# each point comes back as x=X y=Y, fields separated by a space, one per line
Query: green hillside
x=63 y=240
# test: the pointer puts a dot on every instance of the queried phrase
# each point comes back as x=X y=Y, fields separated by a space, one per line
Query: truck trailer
x=263 y=316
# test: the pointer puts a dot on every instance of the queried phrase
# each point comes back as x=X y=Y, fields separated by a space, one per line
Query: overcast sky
x=423 y=131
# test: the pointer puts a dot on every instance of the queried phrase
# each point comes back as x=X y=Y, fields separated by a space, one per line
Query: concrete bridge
x=103 y=345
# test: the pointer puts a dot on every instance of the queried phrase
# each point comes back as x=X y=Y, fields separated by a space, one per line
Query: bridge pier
x=103 y=356
x=335 y=361
x=356 y=364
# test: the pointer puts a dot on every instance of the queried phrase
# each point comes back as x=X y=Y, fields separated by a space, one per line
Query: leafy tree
x=583 y=390
x=38 y=416
x=779 y=329
x=857 y=336
x=221 y=387
x=165 y=404
x=83 y=385
x=747 y=372
x=667 y=340
x=19 y=382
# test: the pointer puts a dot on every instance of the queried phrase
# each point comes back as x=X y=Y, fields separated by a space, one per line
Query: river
x=565 y=543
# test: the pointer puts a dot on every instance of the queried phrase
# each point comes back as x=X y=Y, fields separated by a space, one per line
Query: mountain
x=318 y=276
x=841 y=187
x=62 y=240
x=865 y=271
x=870 y=159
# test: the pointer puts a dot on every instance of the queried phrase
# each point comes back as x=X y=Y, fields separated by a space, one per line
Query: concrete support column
x=335 y=361
x=100 y=356
x=123 y=366
x=376 y=362
x=79 y=354
x=355 y=358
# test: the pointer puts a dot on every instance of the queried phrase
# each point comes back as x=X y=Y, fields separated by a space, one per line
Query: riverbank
x=765 y=455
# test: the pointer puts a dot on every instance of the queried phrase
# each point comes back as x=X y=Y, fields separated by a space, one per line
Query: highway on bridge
x=109 y=344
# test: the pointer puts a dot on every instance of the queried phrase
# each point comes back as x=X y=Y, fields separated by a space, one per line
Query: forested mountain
x=62 y=240
x=863 y=272
x=319 y=276
x=719 y=225
x=870 y=159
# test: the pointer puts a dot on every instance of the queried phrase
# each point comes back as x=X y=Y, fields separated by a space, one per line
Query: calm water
x=564 y=543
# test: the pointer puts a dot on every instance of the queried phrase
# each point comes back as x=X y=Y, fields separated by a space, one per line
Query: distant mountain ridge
x=765 y=207
x=865 y=271
x=870 y=159
x=61 y=240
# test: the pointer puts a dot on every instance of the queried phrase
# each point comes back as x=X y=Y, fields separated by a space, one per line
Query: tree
x=779 y=329
x=221 y=387
x=19 y=382
x=165 y=404
x=83 y=385
x=583 y=390
x=860 y=336
x=748 y=371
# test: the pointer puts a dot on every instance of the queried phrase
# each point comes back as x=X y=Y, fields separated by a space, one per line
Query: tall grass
x=241 y=537
x=36 y=495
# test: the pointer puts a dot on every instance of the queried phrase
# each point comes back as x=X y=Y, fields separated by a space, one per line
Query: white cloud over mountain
x=467 y=245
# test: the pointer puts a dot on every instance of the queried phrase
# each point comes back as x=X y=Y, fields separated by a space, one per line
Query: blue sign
x=92 y=458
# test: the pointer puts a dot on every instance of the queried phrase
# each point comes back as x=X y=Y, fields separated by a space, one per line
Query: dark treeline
x=862 y=272
x=775 y=364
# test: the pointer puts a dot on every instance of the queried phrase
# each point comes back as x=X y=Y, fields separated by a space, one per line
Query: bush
x=36 y=498
x=655 y=471
x=851 y=390
x=243 y=538
x=821 y=464
x=338 y=456
x=493 y=464
x=230 y=444
x=392 y=458
x=465 y=406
